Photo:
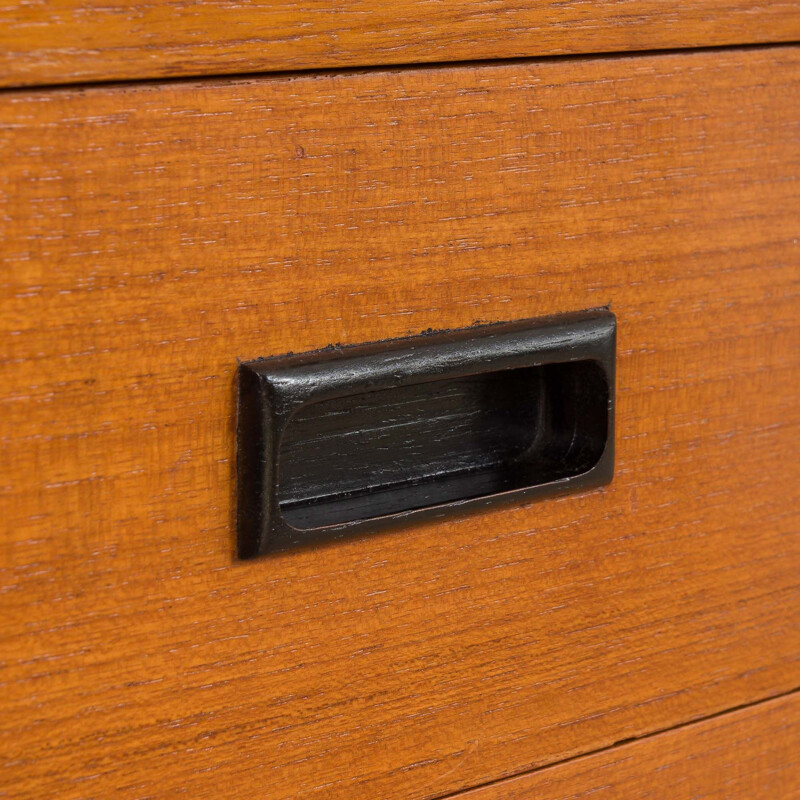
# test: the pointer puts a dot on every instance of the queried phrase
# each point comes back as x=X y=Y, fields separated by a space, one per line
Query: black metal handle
x=352 y=439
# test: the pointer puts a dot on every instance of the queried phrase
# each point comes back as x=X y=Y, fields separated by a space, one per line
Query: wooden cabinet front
x=157 y=234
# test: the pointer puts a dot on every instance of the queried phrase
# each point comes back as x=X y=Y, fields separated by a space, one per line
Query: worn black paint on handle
x=352 y=439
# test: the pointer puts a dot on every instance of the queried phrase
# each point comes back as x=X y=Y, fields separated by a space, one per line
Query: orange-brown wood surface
x=63 y=41
x=153 y=235
x=752 y=754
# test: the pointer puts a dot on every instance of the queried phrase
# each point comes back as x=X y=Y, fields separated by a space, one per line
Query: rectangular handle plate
x=353 y=439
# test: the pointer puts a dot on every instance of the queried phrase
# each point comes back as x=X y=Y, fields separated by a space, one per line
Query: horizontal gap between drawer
x=622 y=743
x=235 y=77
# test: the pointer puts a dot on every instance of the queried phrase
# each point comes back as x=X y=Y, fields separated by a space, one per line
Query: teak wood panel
x=154 y=235
x=752 y=754
x=64 y=41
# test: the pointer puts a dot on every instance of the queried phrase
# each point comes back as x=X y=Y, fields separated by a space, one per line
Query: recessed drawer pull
x=350 y=439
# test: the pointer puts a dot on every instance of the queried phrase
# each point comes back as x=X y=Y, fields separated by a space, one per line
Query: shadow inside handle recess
x=395 y=450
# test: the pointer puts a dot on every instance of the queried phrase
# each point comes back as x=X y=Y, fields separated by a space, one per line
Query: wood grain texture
x=153 y=235
x=64 y=41
x=752 y=754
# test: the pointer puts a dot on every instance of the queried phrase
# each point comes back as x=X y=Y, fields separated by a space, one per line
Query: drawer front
x=161 y=38
x=156 y=235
